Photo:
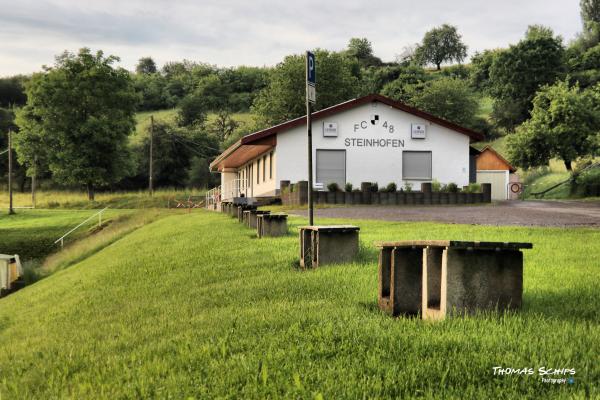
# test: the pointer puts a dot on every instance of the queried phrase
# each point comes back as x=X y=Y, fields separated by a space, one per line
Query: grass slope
x=193 y=306
x=31 y=233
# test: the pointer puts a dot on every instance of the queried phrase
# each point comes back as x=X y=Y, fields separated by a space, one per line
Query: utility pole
x=10 y=191
x=33 y=181
x=310 y=98
x=151 y=172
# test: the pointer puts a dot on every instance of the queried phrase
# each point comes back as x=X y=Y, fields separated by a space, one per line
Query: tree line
x=73 y=121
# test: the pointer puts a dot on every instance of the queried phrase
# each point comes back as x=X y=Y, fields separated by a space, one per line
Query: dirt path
x=525 y=213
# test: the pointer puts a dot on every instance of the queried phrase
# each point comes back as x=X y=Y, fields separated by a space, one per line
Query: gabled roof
x=293 y=123
x=498 y=155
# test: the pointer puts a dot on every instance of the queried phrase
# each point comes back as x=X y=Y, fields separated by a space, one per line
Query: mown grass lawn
x=193 y=306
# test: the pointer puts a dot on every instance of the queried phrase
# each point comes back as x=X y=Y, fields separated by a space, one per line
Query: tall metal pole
x=10 y=191
x=151 y=162
x=310 y=166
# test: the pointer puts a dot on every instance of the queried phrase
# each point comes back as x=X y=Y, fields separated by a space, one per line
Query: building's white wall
x=450 y=149
x=260 y=186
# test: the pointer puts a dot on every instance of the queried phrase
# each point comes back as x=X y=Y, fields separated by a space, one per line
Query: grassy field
x=193 y=306
x=163 y=198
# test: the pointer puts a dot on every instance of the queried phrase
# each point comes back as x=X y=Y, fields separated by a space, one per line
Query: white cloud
x=256 y=32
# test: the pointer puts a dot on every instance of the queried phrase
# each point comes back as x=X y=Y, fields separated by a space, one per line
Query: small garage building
x=369 y=139
x=494 y=169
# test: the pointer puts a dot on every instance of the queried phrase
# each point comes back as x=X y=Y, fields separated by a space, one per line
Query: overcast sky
x=257 y=32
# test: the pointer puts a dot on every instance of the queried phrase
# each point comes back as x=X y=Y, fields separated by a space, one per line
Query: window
x=331 y=167
x=416 y=165
x=258 y=171
x=264 y=167
x=271 y=165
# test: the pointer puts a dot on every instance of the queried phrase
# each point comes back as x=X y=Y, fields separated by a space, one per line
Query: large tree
x=82 y=110
x=362 y=50
x=518 y=72
x=448 y=98
x=565 y=123
x=146 y=65
x=284 y=97
x=590 y=12
x=440 y=45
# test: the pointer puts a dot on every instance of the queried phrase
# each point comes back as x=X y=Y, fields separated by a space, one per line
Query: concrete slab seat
x=271 y=225
x=333 y=244
x=250 y=217
x=241 y=209
x=437 y=278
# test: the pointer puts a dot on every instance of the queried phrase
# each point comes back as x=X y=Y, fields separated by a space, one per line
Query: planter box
x=375 y=198
x=461 y=198
x=435 y=198
x=330 y=197
x=452 y=198
x=470 y=198
x=348 y=198
x=393 y=198
x=410 y=197
x=400 y=198
x=321 y=197
x=419 y=198
x=339 y=197
x=383 y=198
x=444 y=198
x=357 y=198
x=478 y=197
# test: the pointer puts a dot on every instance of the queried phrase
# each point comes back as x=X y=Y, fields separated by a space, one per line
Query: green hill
x=193 y=306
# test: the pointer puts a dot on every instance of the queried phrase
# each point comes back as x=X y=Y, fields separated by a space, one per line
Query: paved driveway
x=526 y=213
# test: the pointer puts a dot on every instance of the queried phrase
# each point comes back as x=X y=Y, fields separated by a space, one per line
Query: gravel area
x=523 y=213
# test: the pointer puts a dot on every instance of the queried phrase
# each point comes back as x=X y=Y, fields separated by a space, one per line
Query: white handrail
x=62 y=238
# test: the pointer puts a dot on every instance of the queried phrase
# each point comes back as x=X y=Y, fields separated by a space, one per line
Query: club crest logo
x=374 y=119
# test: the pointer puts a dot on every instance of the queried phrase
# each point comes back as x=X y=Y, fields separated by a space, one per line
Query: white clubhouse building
x=369 y=139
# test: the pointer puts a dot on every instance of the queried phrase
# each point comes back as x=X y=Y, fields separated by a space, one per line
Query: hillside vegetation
x=193 y=306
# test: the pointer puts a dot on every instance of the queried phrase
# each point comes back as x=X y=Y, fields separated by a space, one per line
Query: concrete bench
x=271 y=225
x=320 y=245
x=437 y=278
x=250 y=217
x=241 y=209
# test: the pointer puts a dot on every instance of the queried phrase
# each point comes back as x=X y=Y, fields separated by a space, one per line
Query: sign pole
x=310 y=98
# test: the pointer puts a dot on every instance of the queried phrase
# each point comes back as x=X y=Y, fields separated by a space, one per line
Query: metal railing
x=62 y=238
x=213 y=198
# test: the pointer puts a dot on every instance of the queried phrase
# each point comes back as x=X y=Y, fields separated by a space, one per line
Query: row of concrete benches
x=267 y=224
x=430 y=278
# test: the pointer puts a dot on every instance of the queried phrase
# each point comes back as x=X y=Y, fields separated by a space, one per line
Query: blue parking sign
x=311 y=69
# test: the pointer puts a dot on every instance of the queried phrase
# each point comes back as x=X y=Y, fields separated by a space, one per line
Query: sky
x=257 y=32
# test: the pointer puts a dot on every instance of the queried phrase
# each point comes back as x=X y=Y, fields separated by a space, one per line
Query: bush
x=444 y=189
x=590 y=177
x=473 y=188
x=374 y=187
x=408 y=187
x=391 y=187
x=333 y=187
x=348 y=187
x=452 y=187
x=435 y=186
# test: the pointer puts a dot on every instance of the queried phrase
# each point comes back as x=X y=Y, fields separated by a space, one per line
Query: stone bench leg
x=481 y=280
x=432 y=283
x=240 y=214
x=400 y=275
x=306 y=248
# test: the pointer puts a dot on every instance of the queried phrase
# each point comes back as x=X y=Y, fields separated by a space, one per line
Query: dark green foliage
x=12 y=92
x=152 y=90
x=409 y=81
x=564 y=124
x=284 y=97
x=481 y=64
x=448 y=98
x=362 y=50
x=178 y=151
x=192 y=110
x=518 y=72
x=440 y=45
x=146 y=65
x=348 y=187
x=391 y=187
x=452 y=187
x=82 y=111
x=333 y=187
